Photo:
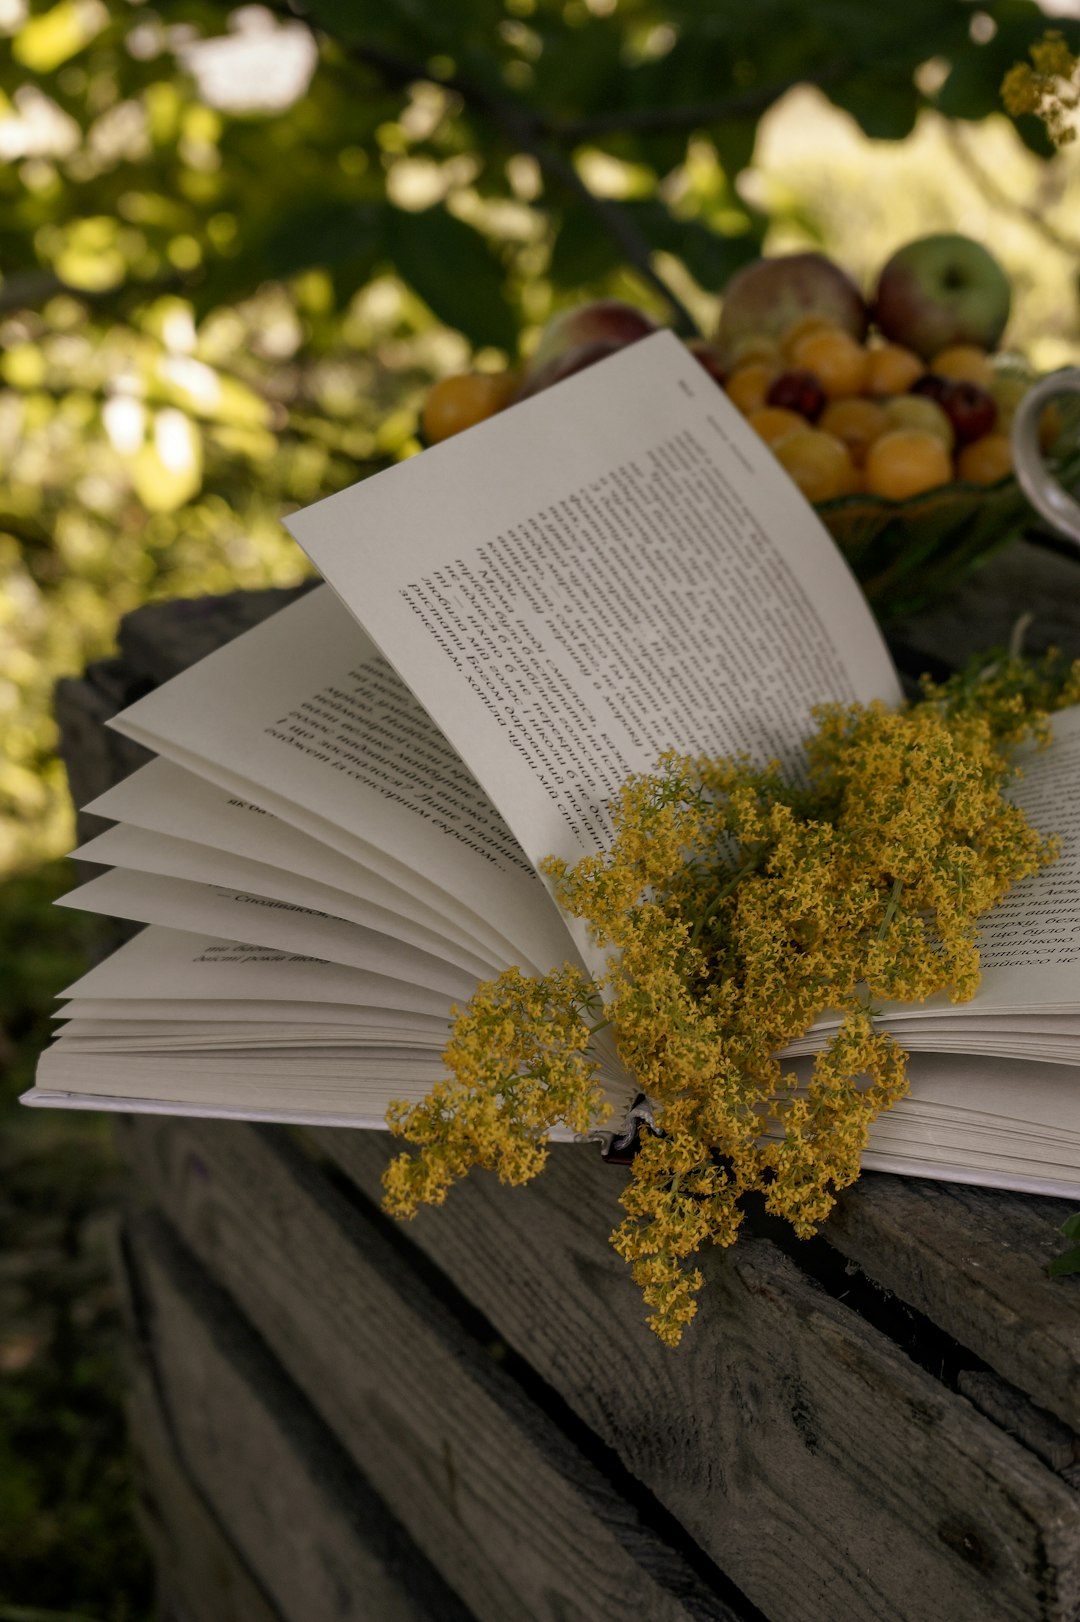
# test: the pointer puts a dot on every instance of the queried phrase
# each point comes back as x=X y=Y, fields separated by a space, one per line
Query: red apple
x=766 y=298
x=604 y=321
x=942 y=290
x=560 y=366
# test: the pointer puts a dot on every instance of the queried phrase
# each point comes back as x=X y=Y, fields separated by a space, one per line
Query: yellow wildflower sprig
x=1047 y=87
x=739 y=904
x=519 y=1064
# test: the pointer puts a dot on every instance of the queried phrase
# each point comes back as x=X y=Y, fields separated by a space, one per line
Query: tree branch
x=526 y=130
x=28 y=290
x=665 y=120
x=995 y=194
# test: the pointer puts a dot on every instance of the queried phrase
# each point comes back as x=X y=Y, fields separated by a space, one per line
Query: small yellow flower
x=1048 y=88
x=738 y=904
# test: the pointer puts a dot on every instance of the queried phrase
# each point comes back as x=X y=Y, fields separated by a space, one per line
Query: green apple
x=941 y=290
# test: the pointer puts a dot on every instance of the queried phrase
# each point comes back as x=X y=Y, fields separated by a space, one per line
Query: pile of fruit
x=890 y=397
x=891 y=414
x=893 y=399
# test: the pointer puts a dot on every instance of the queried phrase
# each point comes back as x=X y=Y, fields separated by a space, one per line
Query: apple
x=707 y=355
x=604 y=320
x=767 y=297
x=561 y=366
x=942 y=290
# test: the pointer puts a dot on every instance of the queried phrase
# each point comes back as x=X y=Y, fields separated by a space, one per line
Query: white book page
x=158 y=1036
x=303 y=711
x=322 y=1083
x=162 y=963
x=358 y=1088
x=147 y=898
x=164 y=798
x=141 y=851
x=61 y=1092
x=178 y=1013
x=613 y=568
x=1030 y=944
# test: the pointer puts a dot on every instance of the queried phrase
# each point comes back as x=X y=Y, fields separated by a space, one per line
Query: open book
x=341 y=834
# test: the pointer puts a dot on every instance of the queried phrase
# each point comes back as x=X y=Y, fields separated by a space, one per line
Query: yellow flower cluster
x=519 y=1064
x=737 y=905
x=1048 y=87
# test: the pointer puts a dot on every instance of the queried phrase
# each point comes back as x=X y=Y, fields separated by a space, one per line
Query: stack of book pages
x=341 y=833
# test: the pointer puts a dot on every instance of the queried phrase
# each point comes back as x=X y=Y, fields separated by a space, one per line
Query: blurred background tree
x=240 y=241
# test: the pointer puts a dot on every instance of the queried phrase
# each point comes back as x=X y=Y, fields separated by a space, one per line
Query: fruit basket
x=895 y=416
x=907 y=554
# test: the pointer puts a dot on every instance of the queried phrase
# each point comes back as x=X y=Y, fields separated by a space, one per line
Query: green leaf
x=53 y=37
x=1068 y=1262
x=1071 y=1226
x=711 y=256
x=584 y=251
x=324 y=233
x=885 y=109
x=454 y=271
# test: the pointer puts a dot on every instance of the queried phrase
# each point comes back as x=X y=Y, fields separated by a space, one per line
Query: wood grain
x=278 y=1485
x=518 y=1521
x=808 y=1456
x=975 y=1262
x=94 y=757
x=199 y=1573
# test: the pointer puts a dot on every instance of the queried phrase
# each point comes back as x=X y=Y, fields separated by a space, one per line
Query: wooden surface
x=783 y=1407
x=880 y=1424
x=199 y=1572
x=304 y=1523
x=515 y=1517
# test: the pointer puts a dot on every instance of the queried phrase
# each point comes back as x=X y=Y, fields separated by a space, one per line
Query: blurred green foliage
x=238 y=241
x=67 y=1538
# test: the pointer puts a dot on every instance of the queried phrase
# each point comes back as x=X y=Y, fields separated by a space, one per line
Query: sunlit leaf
x=53 y=37
x=167 y=470
x=23 y=366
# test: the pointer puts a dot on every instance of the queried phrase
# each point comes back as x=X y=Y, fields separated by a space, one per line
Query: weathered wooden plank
x=504 y=1505
x=997 y=1304
x=160 y=639
x=821 y=1469
x=975 y=1262
x=1039 y=1431
x=306 y=1524
x=199 y=1573
x=93 y=756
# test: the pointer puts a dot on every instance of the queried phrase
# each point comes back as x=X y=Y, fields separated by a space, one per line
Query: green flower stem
x=890 y=910
x=725 y=890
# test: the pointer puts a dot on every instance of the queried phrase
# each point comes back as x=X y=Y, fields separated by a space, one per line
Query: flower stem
x=890 y=910
x=725 y=890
